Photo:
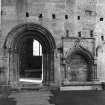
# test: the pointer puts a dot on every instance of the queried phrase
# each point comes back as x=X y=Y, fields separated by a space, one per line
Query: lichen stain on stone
x=70 y=3
x=21 y=5
x=7 y=2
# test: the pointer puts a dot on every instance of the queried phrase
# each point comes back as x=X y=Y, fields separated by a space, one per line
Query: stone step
x=81 y=86
x=70 y=88
x=32 y=97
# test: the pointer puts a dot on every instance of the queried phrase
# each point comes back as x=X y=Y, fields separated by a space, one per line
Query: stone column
x=95 y=65
x=3 y=70
x=52 y=68
x=15 y=70
x=18 y=70
x=48 y=67
x=65 y=70
x=90 y=71
x=11 y=68
x=66 y=74
x=93 y=71
x=44 y=68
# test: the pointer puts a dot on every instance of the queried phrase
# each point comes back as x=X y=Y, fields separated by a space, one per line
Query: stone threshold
x=69 y=86
x=81 y=83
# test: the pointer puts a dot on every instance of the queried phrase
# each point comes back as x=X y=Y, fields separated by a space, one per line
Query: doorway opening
x=78 y=68
x=23 y=44
x=31 y=67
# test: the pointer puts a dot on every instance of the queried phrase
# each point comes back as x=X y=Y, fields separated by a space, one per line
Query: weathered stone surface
x=83 y=16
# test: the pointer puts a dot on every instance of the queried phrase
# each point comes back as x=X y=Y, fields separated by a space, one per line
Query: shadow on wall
x=7 y=101
x=4 y=93
x=77 y=98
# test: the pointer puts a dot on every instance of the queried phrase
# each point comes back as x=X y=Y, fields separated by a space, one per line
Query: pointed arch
x=83 y=52
x=87 y=59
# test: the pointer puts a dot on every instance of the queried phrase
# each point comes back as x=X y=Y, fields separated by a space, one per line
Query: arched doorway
x=31 y=63
x=80 y=65
x=19 y=46
x=78 y=68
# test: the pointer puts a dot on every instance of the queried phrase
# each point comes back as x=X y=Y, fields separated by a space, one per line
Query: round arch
x=14 y=42
x=19 y=31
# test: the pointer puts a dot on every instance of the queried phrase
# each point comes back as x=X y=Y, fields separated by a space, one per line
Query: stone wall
x=57 y=15
x=76 y=18
x=100 y=35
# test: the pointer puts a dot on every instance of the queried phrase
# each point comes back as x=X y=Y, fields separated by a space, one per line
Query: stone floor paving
x=32 y=97
x=35 y=97
x=88 y=97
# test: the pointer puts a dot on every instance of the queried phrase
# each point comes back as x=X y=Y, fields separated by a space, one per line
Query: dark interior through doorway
x=31 y=60
x=19 y=46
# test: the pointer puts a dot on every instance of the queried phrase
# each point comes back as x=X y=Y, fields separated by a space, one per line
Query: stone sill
x=81 y=83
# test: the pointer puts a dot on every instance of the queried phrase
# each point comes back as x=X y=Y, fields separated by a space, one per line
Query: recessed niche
x=79 y=34
x=27 y=14
x=53 y=16
x=40 y=16
x=66 y=16
x=101 y=19
x=78 y=17
x=67 y=33
x=91 y=33
x=88 y=12
x=102 y=37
